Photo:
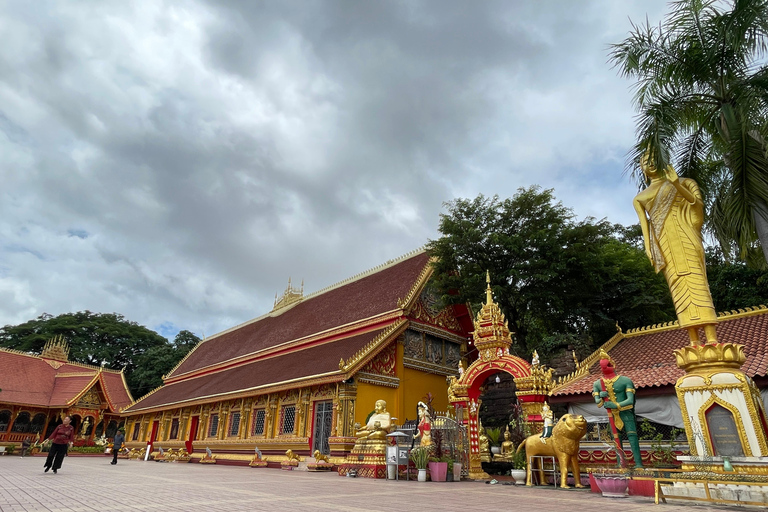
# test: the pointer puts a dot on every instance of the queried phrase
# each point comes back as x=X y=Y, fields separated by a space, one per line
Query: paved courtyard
x=91 y=483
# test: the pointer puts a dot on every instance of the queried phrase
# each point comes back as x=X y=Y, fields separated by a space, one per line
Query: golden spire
x=488 y=292
x=491 y=335
x=290 y=296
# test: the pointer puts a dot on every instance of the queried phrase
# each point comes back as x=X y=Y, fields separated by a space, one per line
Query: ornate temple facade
x=301 y=376
x=36 y=392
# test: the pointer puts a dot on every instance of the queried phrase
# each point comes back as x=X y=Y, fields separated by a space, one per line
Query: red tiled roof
x=25 y=379
x=66 y=388
x=314 y=361
x=30 y=380
x=116 y=389
x=371 y=295
x=646 y=357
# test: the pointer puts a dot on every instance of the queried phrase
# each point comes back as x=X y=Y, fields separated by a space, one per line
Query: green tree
x=106 y=339
x=702 y=92
x=554 y=278
x=735 y=285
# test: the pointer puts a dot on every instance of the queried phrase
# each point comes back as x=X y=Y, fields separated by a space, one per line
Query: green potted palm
x=420 y=458
x=494 y=439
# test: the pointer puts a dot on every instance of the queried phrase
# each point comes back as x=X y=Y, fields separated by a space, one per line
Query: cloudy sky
x=176 y=162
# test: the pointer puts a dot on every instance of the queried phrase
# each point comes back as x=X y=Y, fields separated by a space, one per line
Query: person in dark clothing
x=118 y=444
x=62 y=437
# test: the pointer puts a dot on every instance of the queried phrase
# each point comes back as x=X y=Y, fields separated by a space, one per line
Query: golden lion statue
x=564 y=445
x=320 y=457
x=292 y=456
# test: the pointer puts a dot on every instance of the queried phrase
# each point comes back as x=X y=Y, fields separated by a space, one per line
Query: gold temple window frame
x=284 y=413
x=210 y=426
x=231 y=421
x=255 y=422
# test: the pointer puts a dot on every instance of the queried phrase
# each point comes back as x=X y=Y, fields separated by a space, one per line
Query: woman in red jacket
x=62 y=436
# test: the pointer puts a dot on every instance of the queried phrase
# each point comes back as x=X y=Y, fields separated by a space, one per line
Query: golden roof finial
x=488 y=292
x=290 y=296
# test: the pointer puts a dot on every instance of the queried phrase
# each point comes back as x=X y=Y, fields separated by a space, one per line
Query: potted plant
x=438 y=465
x=494 y=437
x=420 y=458
x=519 y=465
x=613 y=482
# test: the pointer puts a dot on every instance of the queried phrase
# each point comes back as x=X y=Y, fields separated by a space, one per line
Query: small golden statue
x=320 y=457
x=671 y=213
x=483 y=444
x=507 y=448
x=292 y=456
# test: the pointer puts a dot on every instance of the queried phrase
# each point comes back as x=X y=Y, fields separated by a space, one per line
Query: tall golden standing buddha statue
x=713 y=390
x=671 y=213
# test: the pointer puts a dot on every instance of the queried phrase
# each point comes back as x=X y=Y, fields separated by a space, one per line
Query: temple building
x=303 y=375
x=36 y=392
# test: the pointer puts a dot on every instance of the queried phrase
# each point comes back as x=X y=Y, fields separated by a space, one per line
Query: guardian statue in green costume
x=617 y=394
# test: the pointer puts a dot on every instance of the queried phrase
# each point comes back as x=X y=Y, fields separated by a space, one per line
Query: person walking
x=62 y=437
x=25 y=444
x=118 y=444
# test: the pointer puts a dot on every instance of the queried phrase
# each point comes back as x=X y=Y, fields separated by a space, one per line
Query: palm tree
x=702 y=95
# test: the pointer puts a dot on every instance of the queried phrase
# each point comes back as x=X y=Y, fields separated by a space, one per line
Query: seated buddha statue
x=507 y=448
x=483 y=444
x=380 y=421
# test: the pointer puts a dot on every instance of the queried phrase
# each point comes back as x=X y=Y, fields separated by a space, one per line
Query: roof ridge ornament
x=56 y=348
x=290 y=296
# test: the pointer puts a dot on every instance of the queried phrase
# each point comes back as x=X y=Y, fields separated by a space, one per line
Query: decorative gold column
x=223 y=420
x=202 y=429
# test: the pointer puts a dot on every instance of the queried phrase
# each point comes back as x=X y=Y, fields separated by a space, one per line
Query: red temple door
x=192 y=433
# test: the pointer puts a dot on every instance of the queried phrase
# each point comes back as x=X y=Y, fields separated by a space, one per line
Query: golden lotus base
x=258 y=463
x=289 y=465
x=207 y=460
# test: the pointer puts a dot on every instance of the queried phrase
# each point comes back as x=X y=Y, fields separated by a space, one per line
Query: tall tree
x=551 y=275
x=106 y=339
x=735 y=285
x=702 y=93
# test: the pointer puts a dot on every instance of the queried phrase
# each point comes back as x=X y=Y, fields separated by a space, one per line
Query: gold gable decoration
x=56 y=349
x=90 y=400
x=290 y=296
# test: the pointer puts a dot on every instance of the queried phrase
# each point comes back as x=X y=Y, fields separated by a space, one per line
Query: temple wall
x=418 y=384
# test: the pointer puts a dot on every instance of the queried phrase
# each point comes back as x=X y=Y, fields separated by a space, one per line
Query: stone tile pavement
x=91 y=483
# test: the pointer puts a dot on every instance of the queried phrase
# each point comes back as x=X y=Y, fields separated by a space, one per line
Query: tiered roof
x=645 y=354
x=323 y=337
x=32 y=380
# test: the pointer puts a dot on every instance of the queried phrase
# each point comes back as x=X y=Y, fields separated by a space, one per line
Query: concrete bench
x=2 y=450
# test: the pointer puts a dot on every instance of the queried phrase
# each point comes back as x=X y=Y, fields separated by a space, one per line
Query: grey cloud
x=179 y=161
